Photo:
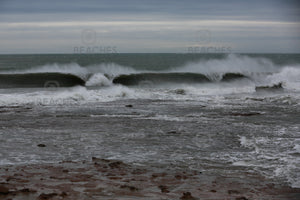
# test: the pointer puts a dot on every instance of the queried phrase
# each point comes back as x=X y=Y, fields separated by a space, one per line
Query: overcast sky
x=153 y=26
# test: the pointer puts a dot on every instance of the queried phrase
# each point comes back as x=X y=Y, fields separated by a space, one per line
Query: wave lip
x=172 y=77
x=38 y=80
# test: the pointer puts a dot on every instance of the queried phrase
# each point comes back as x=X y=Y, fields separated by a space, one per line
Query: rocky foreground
x=115 y=180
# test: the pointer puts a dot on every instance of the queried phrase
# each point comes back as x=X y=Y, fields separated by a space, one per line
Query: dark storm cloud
x=140 y=25
x=193 y=9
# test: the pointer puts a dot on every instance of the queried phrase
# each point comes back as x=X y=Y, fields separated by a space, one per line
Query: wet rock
x=116 y=164
x=269 y=88
x=178 y=177
x=180 y=91
x=246 y=114
x=41 y=145
x=270 y=185
x=63 y=194
x=115 y=178
x=155 y=175
x=233 y=192
x=27 y=190
x=47 y=196
x=131 y=188
x=164 y=189
x=138 y=171
x=121 y=179
x=94 y=190
x=3 y=190
x=187 y=196
x=241 y=198
x=98 y=161
x=9 y=178
x=172 y=132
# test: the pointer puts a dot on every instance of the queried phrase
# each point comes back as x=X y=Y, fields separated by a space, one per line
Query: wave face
x=38 y=80
x=172 y=77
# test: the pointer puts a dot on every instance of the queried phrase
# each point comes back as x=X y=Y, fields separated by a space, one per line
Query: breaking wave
x=233 y=74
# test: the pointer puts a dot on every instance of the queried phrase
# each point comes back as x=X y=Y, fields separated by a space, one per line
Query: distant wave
x=38 y=80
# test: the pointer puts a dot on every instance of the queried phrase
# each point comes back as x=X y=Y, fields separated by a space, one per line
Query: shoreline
x=116 y=180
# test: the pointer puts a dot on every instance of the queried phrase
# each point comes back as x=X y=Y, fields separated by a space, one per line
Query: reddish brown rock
x=164 y=189
x=63 y=194
x=155 y=175
x=27 y=190
x=47 y=196
x=233 y=192
x=187 y=196
x=138 y=171
x=116 y=164
x=131 y=188
x=177 y=176
x=3 y=190
x=86 y=180
x=241 y=198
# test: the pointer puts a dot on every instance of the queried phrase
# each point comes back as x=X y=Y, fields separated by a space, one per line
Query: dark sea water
x=240 y=113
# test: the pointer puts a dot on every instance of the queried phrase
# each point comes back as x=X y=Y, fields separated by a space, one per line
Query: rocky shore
x=115 y=180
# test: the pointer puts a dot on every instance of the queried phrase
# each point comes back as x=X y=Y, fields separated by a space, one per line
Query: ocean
x=225 y=114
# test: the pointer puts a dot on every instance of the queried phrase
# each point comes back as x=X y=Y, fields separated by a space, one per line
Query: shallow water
x=219 y=135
